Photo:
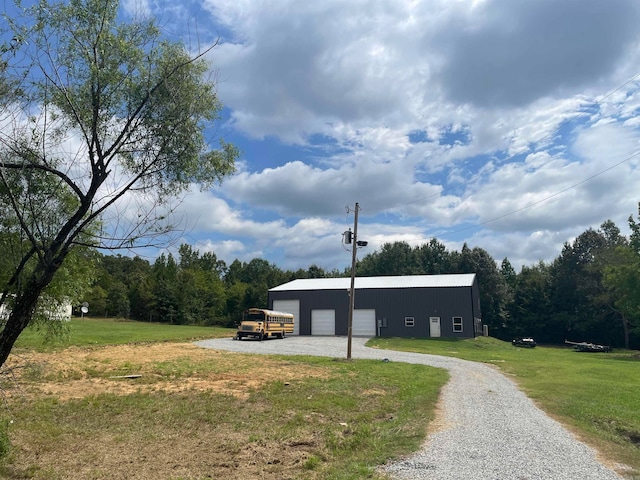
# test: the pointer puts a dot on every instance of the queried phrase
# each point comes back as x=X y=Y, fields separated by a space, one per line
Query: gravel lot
x=489 y=430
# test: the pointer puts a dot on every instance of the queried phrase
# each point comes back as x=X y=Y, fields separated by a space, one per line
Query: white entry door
x=434 y=326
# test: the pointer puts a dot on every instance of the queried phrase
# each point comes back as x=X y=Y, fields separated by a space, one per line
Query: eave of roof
x=407 y=281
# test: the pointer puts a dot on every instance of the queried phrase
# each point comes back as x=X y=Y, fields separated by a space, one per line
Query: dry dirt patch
x=77 y=372
x=205 y=451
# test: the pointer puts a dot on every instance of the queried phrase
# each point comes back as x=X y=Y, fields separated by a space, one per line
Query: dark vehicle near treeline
x=523 y=342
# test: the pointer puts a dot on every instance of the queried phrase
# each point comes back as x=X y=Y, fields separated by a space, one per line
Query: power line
x=524 y=150
x=588 y=179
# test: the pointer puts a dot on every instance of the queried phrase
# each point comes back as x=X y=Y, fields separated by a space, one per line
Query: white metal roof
x=409 y=281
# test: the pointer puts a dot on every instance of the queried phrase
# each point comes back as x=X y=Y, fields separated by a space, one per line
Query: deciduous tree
x=103 y=130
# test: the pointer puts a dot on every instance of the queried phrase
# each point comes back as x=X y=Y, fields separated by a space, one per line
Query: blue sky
x=511 y=126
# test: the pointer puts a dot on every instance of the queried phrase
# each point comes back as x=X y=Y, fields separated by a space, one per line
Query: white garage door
x=290 y=306
x=364 y=323
x=323 y=322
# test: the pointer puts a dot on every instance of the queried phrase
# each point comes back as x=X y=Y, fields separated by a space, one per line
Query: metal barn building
x=418 y=306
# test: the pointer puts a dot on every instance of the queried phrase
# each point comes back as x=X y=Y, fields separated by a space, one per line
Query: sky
x=509 y=125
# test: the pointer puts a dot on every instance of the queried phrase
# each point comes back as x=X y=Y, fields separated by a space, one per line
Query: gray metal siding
x=392 y=306
x=421 y=303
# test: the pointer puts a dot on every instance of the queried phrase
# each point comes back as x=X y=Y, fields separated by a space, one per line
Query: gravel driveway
x=489 y=430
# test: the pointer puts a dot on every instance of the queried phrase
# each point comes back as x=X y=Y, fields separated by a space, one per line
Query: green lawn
x=595 y=394
x=268 y=417
x=92 y=331
x=366 y=410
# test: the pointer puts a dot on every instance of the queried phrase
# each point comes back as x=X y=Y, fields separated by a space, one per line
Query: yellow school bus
x=262 y=323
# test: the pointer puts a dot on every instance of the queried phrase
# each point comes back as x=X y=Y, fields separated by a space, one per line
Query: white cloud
x=604 y=145
x=311 y=65
x=226 y=250
x=514 y=126
x=209 y=213
x=512 y=53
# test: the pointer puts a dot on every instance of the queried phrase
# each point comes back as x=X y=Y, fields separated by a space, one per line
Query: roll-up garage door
x=290 y=306
x=323 y=322
x=364 y=323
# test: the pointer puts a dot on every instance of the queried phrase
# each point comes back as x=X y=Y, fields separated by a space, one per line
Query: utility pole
x=352 y=291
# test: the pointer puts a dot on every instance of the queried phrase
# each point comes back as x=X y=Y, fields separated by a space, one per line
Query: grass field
x=88 y=408
x=189 y=413
x=596 y=394
x=91 y=331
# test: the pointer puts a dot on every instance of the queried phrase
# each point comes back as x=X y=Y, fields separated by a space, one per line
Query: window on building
x=457 y=324
x=409 y=321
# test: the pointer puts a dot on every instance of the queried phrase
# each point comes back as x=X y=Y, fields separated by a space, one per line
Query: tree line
x=189 y=288
x=590 y=292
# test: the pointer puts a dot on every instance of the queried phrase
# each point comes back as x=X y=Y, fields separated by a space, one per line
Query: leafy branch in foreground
x=103 y=128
